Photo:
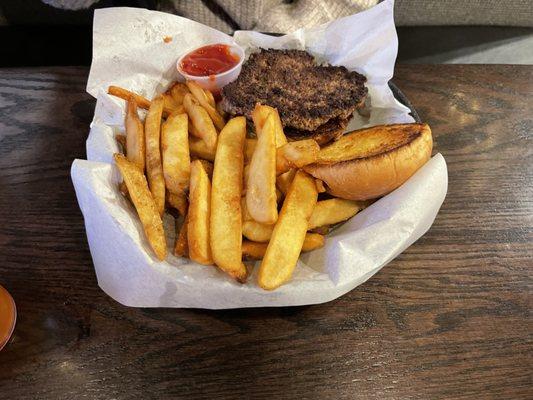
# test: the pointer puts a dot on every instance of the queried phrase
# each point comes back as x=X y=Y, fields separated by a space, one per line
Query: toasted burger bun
x=370 y=163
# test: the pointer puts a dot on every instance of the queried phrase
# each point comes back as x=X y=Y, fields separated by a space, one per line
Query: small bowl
x=8 y=310
x=215 y=82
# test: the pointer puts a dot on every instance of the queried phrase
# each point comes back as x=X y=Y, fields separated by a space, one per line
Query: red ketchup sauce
x=209 y=60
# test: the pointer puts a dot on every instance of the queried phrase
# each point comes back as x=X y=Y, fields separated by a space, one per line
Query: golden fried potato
x=249 y=147
x=170 y=103
x=178 y=201
x=199 y=215
x=245 y=176
x=199 y=149
x=256 y=251
x=204 y=128
x=256 y=231
x=226 y=219
x=142 y=102
x=332 y=211
x=175 y=153
x=193 y=131
x=178 y=92
x=296 y=155
x=291 y=155
x=320 y=186
x=259 y=116
x=208 y=166
x=283 y=181
x=125 y=94
x=261 y=185
x=154 y=167
x=144 y=204
x=204 y=99
x=289 y=233
x=210 y=98
x=181 y=247
x=135 y=142
x=253 y=230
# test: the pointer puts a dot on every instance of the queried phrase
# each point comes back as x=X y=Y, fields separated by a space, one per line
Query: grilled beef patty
x=306 y=94
x=325 y=133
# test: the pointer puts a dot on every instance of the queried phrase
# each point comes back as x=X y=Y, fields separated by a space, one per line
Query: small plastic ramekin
x=8 y=310
x=216 y=82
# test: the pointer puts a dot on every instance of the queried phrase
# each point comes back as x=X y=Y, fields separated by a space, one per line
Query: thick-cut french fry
x=332 y=211
x=135 y=143
x=208 y=166
x=205 y=129
x=175 y=153
x=256 y=251
x=289 y=233
x=204 y=99
x=261 y=185
x=178 y=92
x=253 y=230
x=198 y=148
x=193 y=131
x=181 y=248
x=256 y=231
x=249 y=147
x=283 y=181
x=199 y=215
x=320 y=186
x=210 y=98
x=291 y=155
x=178 y=201
x=226 y=219
x=296 y=155
x=144 y=204
x=142 y=102
x=121 y=139
x=198 y=93
x=154 y=167
x=313 y=241
x=170 y=103
x=259 y=116
x=245 y=176
x=245 y=214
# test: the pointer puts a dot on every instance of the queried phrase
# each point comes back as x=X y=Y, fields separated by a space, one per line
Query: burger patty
x=325 y=133
x=306 y=94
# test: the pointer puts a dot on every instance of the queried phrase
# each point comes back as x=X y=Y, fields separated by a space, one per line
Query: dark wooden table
x=450 y=318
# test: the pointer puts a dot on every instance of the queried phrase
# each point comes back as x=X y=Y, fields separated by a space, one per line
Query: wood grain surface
x=448 y=319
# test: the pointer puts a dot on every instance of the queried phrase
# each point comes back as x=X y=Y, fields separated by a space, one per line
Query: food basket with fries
x=186 y=206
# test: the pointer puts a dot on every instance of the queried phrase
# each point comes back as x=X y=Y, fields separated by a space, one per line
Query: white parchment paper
x=129 y=51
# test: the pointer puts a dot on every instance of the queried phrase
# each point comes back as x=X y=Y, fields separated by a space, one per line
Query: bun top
x=369 y=142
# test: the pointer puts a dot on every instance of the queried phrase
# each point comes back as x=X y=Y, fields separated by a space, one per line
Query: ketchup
x=209 y=60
